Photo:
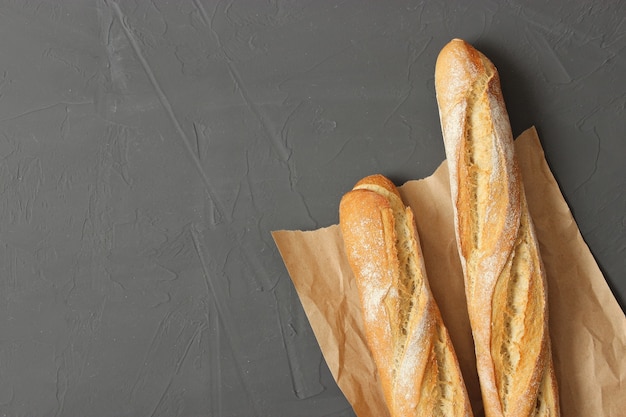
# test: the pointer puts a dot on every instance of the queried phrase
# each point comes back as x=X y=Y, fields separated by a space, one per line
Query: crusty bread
x=418 y=368
x=505 y=281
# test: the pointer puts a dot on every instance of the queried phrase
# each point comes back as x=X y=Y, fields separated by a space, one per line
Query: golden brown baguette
x=418 y=368
x=505 y=280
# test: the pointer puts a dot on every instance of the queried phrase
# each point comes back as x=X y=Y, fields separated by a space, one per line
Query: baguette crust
x=505 y=280
x=418 y=368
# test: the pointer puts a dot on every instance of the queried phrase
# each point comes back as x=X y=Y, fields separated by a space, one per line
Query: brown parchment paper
x=587 y=326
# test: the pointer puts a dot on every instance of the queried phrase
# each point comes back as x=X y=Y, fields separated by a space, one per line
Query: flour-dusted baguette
x=505 y=280
x=411 y=347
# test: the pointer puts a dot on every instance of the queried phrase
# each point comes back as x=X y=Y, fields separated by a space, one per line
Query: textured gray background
x=148 y=148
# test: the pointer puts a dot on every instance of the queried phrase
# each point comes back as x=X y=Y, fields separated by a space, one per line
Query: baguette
x=505 y=281
x=418 y=368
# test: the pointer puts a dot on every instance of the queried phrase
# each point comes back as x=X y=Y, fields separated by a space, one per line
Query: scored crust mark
x=364 y=236
x=519 y=303
x=483 y=186
x=440 y=389
x=407 y=287
x=547 y=404
x=410 y=275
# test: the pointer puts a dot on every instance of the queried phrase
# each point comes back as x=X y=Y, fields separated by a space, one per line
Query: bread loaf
x=505 y=281
x=411 y=347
